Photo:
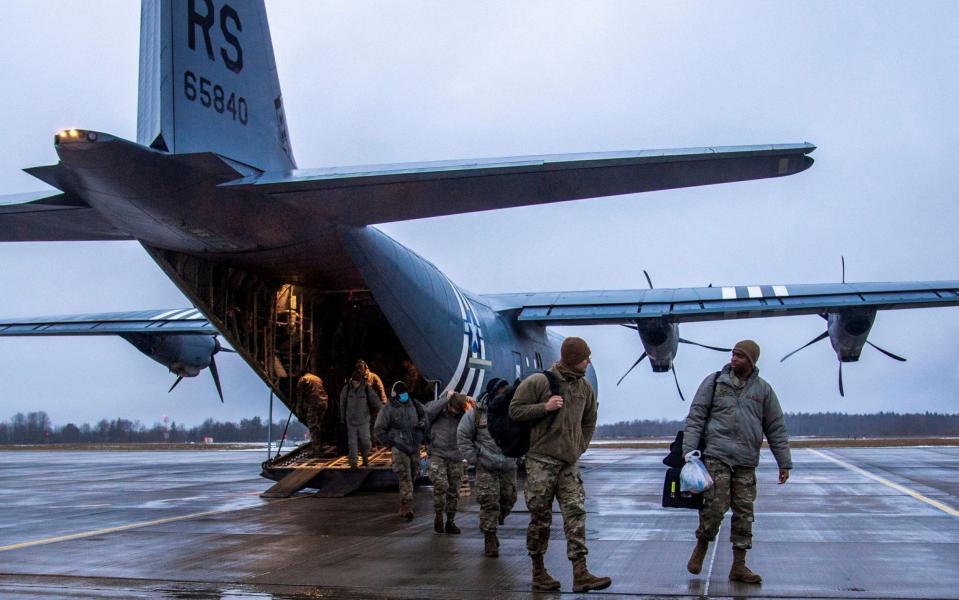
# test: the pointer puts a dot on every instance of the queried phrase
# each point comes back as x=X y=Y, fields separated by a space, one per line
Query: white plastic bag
x=694 y=477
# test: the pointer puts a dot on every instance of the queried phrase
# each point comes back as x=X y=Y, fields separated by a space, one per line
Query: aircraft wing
x=385 y=193
x=680 y=305
x=176 y=321
x=51 y=217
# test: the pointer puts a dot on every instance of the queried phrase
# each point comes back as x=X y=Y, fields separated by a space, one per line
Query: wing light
x=74 y=135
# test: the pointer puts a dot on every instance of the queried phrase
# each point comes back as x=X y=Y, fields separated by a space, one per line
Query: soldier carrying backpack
x=555 y=446
x=512 y=436
x=495 y=473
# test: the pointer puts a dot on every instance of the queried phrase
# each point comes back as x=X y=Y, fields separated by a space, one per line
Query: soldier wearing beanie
x=732 y=411
x=573 y=351
x=561 y=428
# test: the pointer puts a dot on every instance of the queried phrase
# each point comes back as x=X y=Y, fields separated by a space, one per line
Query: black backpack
x=511 y=436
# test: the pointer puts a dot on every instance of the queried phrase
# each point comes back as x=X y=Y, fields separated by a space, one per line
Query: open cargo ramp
x=330 y=474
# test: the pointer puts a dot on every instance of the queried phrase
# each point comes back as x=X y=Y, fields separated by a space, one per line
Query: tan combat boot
x=740 y=572
x=584 y=581
x=542 y=582
x=491 y=547
x=695 y=564
x=438 y=522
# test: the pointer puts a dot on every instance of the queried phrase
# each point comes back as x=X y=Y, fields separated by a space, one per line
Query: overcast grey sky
x=872 y=84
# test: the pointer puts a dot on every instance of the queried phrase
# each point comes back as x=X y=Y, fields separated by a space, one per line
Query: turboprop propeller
x=847 y=330
x=660 y=339
x=184 y=369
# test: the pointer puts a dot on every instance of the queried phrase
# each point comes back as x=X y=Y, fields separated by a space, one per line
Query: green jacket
x=737 y=421
x=563 y=434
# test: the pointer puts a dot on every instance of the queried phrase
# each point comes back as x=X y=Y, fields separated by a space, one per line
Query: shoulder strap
x=554 y=390
x=553 y=383
x=712 y=396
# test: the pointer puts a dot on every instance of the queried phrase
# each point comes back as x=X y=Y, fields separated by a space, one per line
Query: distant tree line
x=884 y=424
x=36 y=428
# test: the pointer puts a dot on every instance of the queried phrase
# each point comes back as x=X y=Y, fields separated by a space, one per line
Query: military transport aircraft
x=287 y=266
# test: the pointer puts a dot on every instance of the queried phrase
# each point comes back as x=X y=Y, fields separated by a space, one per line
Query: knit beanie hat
x=574 y=351
x=750 y=349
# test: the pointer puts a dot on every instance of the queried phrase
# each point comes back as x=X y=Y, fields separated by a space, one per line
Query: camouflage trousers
x=731 y=487
x=315 y=434
x=545 y=481
x=496 y=493
x=446 y=476
x=406 y=466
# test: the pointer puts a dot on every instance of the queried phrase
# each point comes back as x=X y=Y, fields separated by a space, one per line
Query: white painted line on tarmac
x=709 y=573
x=86 y=534
x=899 y=488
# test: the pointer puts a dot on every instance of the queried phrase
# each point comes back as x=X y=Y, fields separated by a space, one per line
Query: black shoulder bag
x=672 y=496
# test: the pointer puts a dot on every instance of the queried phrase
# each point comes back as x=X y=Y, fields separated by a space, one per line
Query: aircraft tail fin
x=208 y=82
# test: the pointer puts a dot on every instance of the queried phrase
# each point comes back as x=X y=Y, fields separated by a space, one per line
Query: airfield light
x=74 y=133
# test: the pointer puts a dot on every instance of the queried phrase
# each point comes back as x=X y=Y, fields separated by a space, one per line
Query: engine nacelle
x=184 y=354
x=848 y=330
x=660 y=341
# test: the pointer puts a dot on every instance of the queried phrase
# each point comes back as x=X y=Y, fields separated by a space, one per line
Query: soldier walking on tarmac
x=312 y=402
x=400 y=426
x=561 y=429
x=733 y=409
x=495 y=473
x=446 y=462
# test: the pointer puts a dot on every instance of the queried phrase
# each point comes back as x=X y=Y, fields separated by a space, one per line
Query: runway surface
x=850 y=523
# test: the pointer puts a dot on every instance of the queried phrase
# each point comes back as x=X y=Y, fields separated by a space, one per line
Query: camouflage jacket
x=312 y=400
x=737 y=421
x=373 y=380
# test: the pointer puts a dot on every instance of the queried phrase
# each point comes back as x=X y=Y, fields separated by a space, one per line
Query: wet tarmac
x=851 y=523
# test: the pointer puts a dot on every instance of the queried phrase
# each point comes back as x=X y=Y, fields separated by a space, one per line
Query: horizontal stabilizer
x=52 y=217
x=56 y=175
x=386 y=193
x=680 y=305
x=176 y=321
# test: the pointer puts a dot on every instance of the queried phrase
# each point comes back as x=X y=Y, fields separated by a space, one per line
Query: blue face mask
x=404 y=397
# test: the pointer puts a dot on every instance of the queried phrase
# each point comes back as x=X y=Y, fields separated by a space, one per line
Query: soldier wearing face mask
x=401 y=426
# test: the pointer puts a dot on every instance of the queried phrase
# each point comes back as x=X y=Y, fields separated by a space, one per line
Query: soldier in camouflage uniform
x=446 y=462
x=733 y=411
x=495 y=473
x=312 y=402
x=561 y=429
x=400 y=427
